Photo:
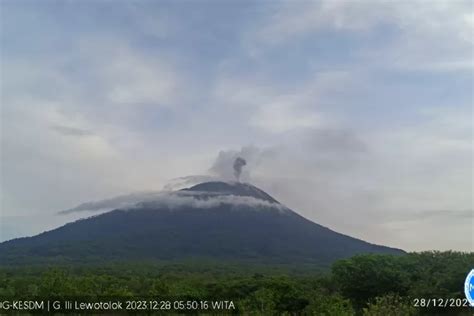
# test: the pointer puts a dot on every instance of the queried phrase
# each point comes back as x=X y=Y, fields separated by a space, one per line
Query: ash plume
x=238 y=164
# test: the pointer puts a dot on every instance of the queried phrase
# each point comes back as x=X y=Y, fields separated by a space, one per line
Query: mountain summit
x=232 y=188
x=212 y=220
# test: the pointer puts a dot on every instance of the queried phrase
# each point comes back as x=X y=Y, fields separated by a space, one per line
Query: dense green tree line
x=361 y=285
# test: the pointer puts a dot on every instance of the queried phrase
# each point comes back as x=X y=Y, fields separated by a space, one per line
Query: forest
x=411 y=284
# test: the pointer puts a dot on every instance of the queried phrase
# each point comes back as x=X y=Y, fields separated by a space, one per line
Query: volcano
x=212 y=220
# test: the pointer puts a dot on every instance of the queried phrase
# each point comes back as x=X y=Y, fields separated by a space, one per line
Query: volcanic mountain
x=214 y=220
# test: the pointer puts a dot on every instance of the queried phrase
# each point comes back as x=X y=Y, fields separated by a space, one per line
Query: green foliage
x=328 y=305
x=428 y=275
x=389 y=305
x=366 y=276
x=362 y=285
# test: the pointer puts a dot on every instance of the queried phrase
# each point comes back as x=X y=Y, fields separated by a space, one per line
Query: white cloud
x=172 y=200
x=278 y=108
x=294 y=20
x=283 y=114
x=436 y=35
x=133 y=81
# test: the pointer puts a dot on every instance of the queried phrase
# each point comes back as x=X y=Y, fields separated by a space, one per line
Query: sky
x=356 y=114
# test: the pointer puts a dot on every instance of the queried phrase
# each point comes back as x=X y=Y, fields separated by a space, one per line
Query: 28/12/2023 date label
x=440 y=302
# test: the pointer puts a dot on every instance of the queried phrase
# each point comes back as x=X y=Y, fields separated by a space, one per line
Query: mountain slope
x=215 y=220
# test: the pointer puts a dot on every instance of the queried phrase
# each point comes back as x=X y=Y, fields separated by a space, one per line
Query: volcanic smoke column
x=238 y=164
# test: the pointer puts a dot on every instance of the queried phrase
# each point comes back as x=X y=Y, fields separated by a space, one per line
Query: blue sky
x=358 y=115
